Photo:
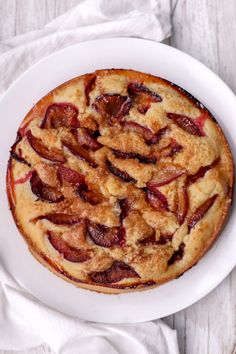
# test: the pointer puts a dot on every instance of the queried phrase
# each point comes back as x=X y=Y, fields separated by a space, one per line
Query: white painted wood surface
x=206 y=29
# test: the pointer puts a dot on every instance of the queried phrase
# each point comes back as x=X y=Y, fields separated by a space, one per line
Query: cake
x=119 y=180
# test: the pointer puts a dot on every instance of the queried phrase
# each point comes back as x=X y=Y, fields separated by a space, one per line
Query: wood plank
x=64 y=5
x=7 y=12
x=50 y=10
x=205 y=29
x=30 y=15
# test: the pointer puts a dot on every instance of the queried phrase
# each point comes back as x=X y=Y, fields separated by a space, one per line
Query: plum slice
x=142 y=96
x=75 y=178
x=183 y=204
x=71 y=176
x=118 y=271
x=201 y=172
x=144 y=132
x=113 y=106
x=89 y=85
x=118 y=173
x=165 y=175
x=177 y=255
x=156 y=199
x=18 y=155
x=78 y=150
x=134 y=155
x=125 y=208
x=137 y=89
x=186 y=124
x=151 y=240
x=170 y=150
x=201 y=211
x=43 y=191
x=71 y=254
x=88 y=195
x=53 y=154
x=60 y=218
x=60 y=115
x=105 y=236
x=164 y=238
x=158 y=136
x=86 y=138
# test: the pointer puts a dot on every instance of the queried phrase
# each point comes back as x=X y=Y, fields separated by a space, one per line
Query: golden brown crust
x=140 y=259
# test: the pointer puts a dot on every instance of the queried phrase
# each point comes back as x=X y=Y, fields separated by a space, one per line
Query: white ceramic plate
x=150 y=57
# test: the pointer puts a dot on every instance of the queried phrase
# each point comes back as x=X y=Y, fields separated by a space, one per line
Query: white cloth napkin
x=90 y=19
x=25 y=322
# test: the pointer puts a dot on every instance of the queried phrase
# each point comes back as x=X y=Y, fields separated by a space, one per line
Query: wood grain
x=206 y=29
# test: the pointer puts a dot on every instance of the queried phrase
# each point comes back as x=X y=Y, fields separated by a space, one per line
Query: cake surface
x=119 y=180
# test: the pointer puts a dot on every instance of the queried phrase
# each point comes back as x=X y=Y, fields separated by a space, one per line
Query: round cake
x=119 y=180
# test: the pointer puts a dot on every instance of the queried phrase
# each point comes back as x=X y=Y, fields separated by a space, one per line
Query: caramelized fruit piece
x=69 y=253
x=43 y=191
x=77 y=179
x=156 y=199
x=89 y=85
x=60 y=115
x=142 y=96
x=60 y=218
x=201 y=172
x=113 y=106
x=105 y=236
x=144 y=132
x=151 y=240
x=186 y=124
x=87 y=139
x=157 y=136
x=118 y=271
x=164 y=238
x=183 y=204
x=171 y=150
x=118 y=173
x=165 y=175
x=177 y=255
x=89 y=196
x=134 y=155
x=125 y=208
x=78 y=150
x=174 y=148
x=53 y=154
x=137 y=89
x=143 y=106
x=71 y=176
x=122 y=236
x=200 y=121
x=14 y=154
x=201 y=211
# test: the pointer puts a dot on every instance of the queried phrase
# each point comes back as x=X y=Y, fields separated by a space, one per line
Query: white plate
x=150 y=57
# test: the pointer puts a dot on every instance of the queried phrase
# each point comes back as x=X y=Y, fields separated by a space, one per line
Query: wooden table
x=206 y=29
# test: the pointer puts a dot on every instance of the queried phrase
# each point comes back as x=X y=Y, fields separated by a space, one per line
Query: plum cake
x=119 y=180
